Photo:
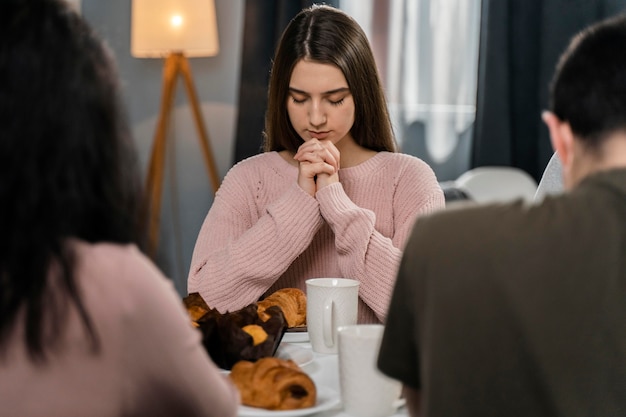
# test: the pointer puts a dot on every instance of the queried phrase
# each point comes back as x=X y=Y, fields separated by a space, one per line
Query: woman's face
x=319 y=103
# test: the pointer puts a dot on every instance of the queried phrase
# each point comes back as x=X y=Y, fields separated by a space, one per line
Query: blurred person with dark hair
x=515 y=310
x=88 y=325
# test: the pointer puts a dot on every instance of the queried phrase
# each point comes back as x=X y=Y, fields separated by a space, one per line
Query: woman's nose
x=317 y=115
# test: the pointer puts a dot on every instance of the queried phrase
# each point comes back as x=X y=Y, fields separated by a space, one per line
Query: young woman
x=330 y=197
x=88 y=325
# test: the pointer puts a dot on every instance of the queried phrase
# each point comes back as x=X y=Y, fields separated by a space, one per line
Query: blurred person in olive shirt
x=520 y=310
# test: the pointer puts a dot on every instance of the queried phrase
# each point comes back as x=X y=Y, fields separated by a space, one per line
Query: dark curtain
x=264 y=21
x=521 y=41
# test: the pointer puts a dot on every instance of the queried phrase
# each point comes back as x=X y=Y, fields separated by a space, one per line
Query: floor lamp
x=174 y=30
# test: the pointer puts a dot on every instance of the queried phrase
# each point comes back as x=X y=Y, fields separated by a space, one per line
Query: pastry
x=292 y=301
x=273 y=384
x=196 y=307
x=238 y=335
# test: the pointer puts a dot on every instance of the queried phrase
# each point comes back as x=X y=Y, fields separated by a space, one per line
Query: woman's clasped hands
x=318 y=164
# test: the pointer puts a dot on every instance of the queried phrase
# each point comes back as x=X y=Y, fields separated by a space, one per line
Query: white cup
x=365 y=391
x=331 y=302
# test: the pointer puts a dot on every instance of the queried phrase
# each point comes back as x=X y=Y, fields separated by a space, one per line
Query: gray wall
x=187 y=192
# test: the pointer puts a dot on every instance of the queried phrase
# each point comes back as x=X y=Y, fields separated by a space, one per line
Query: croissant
x=273 y=384
x=292 y=302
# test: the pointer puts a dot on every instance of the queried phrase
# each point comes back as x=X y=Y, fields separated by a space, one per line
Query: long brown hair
x=324 y=34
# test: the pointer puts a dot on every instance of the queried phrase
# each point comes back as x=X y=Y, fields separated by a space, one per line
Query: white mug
x=331 y=302
x=365 y=391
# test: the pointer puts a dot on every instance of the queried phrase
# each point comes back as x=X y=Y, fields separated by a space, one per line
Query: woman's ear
x=561 y=137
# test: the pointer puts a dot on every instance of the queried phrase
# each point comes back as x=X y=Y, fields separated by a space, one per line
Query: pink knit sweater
x=263 y=232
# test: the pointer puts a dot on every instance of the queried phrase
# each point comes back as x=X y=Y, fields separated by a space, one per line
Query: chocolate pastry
x=225 y=339
x=273 y=384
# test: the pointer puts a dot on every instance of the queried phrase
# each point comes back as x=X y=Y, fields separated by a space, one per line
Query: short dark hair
x=589 y=86
x=67 y=162
x=324 y=34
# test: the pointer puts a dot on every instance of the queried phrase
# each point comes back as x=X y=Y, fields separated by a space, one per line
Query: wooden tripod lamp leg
x=154 y=182
x=204 y=136
x=174 y=64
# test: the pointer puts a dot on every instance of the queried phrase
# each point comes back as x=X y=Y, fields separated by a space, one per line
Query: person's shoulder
x=101 y=251
x=121 y=276
x=407 y=169
x=266 y=163
x=243 y=179
x=118 y=262
x=497 y=227
x=259 y=161
x=401 y=158
x=404 y=162
x=471 y=221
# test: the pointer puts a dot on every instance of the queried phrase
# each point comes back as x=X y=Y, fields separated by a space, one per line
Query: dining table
x=324 y=371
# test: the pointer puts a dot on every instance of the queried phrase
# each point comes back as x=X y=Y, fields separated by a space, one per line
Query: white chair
x=551 y=182
x=497 y=184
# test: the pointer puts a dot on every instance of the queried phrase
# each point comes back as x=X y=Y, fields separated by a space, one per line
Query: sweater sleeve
x=363 y=252
x=240 y=252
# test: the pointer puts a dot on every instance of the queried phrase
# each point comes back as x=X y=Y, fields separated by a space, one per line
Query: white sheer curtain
x=430 y=68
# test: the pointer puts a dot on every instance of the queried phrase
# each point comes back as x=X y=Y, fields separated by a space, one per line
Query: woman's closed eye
x=334 y=98
x=298 y=100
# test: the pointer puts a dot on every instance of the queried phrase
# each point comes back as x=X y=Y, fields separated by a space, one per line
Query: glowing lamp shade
x=174 y=30
x=161 y=27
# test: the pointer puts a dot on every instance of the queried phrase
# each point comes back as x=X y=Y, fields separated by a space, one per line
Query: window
x=427 y=53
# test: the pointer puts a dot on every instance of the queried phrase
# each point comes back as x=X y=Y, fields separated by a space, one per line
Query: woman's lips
x=318 y=135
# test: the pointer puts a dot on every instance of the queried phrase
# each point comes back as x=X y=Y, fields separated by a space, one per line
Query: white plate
x=298 y=354
x=326 y=399
x=295 y=337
